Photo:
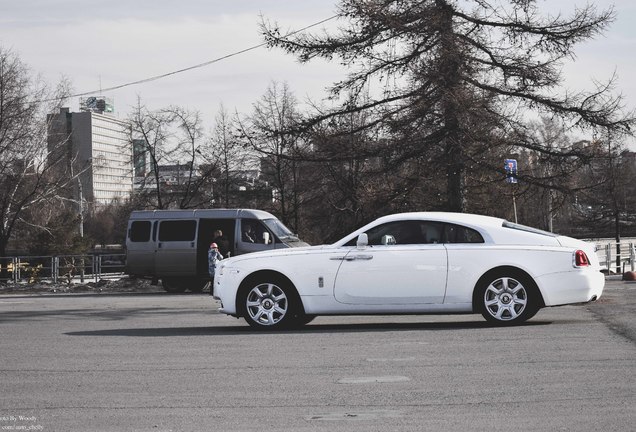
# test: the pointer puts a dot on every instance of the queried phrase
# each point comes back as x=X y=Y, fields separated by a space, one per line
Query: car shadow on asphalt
x=308 y=329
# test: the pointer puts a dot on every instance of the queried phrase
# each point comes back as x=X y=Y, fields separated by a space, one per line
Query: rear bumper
x=579 y=286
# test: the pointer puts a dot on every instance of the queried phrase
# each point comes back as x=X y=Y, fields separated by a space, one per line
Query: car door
x=404 y=263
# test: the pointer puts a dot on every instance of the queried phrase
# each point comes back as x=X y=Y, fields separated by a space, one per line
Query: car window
x=461 y=234
x=404 y=232
x=419 y=232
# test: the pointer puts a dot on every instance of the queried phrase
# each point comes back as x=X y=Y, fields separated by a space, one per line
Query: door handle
x=352 y=258
x=360 y=257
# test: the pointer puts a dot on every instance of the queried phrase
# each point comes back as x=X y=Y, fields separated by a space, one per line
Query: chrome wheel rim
x=267 y=304
x=505 y=299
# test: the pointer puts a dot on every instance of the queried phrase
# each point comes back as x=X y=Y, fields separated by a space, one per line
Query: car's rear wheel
x=269 y=305
x=508 y=298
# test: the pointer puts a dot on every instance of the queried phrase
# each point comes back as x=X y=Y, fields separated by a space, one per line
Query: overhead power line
x=197 y=66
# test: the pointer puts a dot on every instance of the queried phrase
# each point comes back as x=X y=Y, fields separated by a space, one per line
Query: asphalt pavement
x=161 y=362
x=617 y=307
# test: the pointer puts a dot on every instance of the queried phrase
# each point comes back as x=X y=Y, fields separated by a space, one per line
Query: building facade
x=98 y=148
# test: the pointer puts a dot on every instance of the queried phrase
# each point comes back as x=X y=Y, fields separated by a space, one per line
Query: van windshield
x=280 y=230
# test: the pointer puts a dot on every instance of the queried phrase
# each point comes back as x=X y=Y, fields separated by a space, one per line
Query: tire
x=269 y=305
x=507 y=298
x=173 y=285
x=197 y=285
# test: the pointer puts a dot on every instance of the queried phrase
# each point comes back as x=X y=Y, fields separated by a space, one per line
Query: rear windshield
x=515 y=226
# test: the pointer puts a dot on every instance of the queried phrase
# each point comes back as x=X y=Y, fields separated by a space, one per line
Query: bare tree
x=173 y=139
x=199 y=176
x=153 y=129
x=348 y=189
x=271 y=131
x=548 y=175
x=610 y=185
x=226 y=157
x=458 y=76
x=28 y=165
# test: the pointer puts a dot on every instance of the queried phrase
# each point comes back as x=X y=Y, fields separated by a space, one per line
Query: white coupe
x=413 y=263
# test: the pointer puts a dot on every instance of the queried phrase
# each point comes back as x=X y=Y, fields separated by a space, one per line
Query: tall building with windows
x=99 y=148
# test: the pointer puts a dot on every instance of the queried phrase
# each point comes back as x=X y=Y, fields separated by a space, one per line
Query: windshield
x=279 y=230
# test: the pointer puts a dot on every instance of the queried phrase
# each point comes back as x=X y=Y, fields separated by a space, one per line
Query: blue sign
x=510 y=165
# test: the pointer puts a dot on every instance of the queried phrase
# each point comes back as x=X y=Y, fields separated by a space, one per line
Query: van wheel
x=196 y=285
x=173 y=285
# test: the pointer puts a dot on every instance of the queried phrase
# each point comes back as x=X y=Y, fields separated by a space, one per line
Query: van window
x=140 y=231
x=252 y=231
x=179 y=230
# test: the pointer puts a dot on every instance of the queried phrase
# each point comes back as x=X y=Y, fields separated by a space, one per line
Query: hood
x=274 y=253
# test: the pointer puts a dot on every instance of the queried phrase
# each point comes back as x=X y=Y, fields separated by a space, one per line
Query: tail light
x=581 y=259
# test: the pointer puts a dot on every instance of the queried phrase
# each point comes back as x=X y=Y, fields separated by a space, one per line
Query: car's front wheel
x=508 y=298
x=269 y=305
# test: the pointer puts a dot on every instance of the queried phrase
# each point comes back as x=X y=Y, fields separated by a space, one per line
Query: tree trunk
x=451 y=79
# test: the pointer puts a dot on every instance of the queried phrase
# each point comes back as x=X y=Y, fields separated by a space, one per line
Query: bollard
x=55 y=263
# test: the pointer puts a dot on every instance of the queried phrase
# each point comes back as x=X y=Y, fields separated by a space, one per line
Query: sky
x=101 y=44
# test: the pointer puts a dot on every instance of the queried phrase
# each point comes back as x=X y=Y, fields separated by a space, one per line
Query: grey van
x=172 y=245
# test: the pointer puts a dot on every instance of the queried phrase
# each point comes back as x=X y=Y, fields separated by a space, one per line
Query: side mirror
x=363 y=241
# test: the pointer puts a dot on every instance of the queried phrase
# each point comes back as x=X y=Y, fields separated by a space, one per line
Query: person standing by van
x=214 y=256
x=222 y=243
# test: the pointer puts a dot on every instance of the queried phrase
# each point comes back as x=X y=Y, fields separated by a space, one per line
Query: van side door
x=140 y=248
x=176 y=248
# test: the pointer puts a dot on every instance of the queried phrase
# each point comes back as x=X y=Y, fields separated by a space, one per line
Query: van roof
x=201 y=213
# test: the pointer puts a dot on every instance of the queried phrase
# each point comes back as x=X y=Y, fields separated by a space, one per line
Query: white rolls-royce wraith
x=413 y=263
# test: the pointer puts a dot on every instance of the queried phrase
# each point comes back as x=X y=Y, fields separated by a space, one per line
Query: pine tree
x=457 y=78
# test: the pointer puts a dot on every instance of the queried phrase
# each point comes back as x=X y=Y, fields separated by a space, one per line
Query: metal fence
x=61 y=268
x=617 y=257
x=614 y=258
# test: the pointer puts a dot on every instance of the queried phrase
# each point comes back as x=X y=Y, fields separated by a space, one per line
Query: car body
x=414 y=263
